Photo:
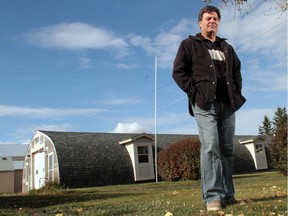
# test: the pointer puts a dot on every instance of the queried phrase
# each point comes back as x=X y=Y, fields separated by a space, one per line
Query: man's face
x=209 y=23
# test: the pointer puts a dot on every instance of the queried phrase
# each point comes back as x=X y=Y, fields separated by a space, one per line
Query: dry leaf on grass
x=168 y=214
x=175 y=192
x=221 y=213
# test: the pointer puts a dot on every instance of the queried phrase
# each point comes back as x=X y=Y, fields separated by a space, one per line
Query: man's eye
x=208 y=19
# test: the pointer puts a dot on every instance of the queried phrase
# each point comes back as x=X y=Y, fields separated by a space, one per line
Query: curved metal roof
x=94 y=159
x=91 y=159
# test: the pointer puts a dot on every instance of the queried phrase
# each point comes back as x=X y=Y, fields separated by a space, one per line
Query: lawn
x=262 y=193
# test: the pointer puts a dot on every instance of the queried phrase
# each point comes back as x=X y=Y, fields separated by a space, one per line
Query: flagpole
x=155 y=121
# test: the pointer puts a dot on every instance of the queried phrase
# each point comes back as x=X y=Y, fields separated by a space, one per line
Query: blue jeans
x=216 y=132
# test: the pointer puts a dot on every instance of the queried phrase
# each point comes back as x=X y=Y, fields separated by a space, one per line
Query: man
x=208 y=70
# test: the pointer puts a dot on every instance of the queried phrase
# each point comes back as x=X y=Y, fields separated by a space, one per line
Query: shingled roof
x=93 y=159
x=90 y=159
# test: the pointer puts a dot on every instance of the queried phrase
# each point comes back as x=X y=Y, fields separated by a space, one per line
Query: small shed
x=141 y=154
x=256 y=146
x=6 y=175
x=11 y=167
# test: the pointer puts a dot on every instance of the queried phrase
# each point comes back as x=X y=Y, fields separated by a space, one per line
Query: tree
x=278 y=5
x=266 y=128
x=277 y=129
x=278 y=147
x=279 y=122
x=280 y=118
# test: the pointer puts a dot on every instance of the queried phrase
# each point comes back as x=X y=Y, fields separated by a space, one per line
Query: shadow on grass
x=252 y=175
x=39 y=201
x=265 y=199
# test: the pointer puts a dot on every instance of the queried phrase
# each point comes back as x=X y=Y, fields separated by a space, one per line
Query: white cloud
x=260 y=41
x=46 y=112
x=271 y=77
x=75 y=36
x=118 y=101
x=255 y=32
x=61 y=127
x=164 y=45
x=247 y=123
x=129 y=128
x=127 y=66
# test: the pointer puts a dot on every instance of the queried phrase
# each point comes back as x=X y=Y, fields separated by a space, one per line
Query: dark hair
x=208 y=9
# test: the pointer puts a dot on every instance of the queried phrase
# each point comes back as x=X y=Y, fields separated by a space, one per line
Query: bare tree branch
x=280 y=5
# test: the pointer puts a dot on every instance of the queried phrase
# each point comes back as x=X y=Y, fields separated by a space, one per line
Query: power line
x=169 y=83
x=249 y=41
x=261 y=34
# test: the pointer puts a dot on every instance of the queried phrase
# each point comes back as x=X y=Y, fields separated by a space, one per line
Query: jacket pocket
x=239 y=100
x=203 y=90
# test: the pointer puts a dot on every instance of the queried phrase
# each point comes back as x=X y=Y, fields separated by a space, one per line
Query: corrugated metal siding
x=13 y=149
x=7 y=182
x=6 y=164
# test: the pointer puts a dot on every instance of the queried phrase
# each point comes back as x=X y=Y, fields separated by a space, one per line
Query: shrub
x=180 y=161
x=50 y=188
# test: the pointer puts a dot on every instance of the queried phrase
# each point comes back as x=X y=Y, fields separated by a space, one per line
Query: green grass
x=263 y=193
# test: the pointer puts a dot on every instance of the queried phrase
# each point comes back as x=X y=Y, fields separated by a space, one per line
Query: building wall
x=11 y=181
x=18 y=181
x=39 y=143
x=144 y=171
x=50 y=150
x=7 y=181
x=27 y=172
x=130 y=149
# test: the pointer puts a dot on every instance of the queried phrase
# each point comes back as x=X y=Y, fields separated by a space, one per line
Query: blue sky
x=72 y=65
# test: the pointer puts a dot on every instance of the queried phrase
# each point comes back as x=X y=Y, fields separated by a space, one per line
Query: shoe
x=214 y=206
x=232 y=201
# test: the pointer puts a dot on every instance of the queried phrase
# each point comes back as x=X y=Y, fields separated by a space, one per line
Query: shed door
x=39 y=170
x=261 y=160
x=145 y=169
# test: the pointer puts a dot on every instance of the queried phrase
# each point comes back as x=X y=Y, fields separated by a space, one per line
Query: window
x=36 y=140
x=41 y=139
x=259 y=148
x=143 y=154
x=50 y=167
x=27 y=173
